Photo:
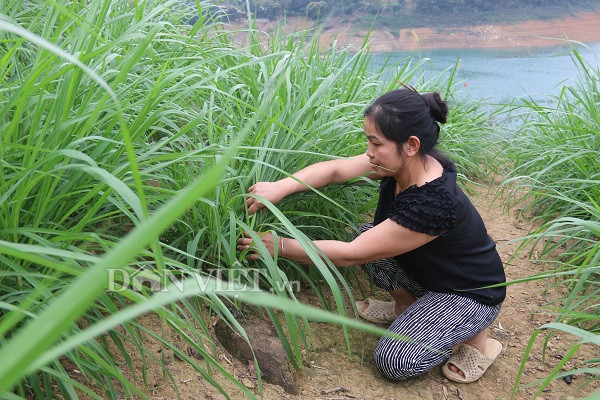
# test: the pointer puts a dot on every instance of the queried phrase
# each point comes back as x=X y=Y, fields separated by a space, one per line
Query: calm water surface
x=503 y=74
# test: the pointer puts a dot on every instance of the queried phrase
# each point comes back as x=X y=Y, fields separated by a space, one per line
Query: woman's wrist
x=287 y=186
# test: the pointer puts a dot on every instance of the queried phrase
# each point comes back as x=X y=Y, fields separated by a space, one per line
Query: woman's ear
x=411 y=146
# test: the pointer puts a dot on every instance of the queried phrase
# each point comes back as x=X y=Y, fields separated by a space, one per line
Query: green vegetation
x=129 y=138
x=556 y=181
x=456 y=15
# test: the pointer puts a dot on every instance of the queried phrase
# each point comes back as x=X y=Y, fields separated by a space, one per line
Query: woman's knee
x=398 y=362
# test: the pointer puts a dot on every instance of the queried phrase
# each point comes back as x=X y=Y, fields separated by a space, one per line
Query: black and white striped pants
x=435 y=322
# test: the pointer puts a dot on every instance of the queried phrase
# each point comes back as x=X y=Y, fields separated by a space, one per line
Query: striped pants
x=435 y=323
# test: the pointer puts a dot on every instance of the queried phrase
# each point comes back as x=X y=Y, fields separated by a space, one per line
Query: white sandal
x=377 y=311
x=471 y=362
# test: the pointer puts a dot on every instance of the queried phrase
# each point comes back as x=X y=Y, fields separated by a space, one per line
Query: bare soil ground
x=583 y=27
x=335 y=375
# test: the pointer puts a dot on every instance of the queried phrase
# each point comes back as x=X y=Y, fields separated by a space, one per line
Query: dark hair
x=402 y=113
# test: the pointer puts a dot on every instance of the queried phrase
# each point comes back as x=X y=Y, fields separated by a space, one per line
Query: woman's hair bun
x=437 y=106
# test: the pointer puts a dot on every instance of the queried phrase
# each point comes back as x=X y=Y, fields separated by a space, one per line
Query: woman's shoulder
x=437 y=187
x=429 y=208
x=441 y=179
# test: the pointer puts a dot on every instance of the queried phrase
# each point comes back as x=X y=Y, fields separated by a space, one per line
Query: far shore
x=583 y=27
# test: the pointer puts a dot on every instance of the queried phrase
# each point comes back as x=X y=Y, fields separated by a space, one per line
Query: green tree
x=298 y=7
x=315 y=8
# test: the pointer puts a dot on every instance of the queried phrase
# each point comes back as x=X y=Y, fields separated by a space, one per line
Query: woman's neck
x=418 y=171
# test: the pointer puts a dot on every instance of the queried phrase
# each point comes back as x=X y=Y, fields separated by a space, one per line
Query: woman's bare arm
x=316 y=175
x=388 y=239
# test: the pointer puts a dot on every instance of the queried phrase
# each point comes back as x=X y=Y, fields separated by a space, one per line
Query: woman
x=428 y=246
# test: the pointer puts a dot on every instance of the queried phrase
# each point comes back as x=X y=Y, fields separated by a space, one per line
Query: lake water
x=503 y=74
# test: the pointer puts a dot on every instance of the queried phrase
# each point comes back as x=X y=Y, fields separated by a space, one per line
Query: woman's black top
x=463 y=258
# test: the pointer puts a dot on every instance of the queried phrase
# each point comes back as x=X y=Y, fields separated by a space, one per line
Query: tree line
x=419 y=9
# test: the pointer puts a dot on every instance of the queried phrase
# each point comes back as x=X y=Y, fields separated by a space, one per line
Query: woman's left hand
x=246 y=242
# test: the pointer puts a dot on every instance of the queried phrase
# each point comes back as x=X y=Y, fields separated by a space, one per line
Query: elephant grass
x=556 y=181
x=129 y=139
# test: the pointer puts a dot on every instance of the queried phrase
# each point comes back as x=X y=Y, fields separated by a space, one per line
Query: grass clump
x=112 y=112
x=556 y=181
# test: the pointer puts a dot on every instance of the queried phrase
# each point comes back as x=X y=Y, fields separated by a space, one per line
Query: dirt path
x=581 y=27
x=333 y=368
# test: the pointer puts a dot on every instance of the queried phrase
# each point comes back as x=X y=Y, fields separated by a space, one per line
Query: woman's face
x=382 y=152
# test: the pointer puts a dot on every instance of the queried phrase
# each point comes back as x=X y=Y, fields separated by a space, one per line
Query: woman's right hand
x=272 y=191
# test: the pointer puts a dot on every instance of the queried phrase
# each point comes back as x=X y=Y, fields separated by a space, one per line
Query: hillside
x=580 y=27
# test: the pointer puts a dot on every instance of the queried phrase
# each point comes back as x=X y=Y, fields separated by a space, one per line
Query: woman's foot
x=472 y=358
x=478 y=341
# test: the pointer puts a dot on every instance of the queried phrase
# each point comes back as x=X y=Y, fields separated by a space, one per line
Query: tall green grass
x=556 y=181
x=128 y=141
x=81 y=170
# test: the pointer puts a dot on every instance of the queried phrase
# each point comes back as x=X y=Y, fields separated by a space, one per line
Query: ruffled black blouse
x=463 y=258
